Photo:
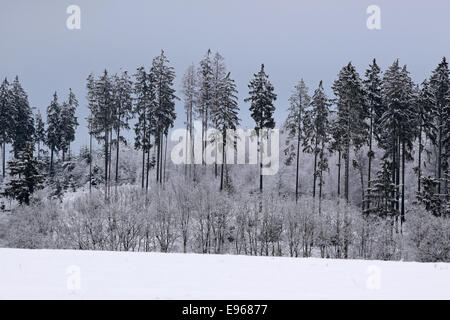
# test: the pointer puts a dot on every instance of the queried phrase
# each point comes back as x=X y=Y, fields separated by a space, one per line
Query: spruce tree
x=25 y=176
x=123 y=108
x=163 y=75
x=350 y=124
x=6 y=120
x=54 y=134
x=225 y=117
x=190 y=95
x=261 y=98
x=317 y=135
x=374 y=110
x=69 y=123
x=299 y=101
x=440 y=88
x=205 y=96
x=39 y=132
x=22 y=131
x=144 y=107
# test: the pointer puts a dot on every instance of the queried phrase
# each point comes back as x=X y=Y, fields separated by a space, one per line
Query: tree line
x=386 y=111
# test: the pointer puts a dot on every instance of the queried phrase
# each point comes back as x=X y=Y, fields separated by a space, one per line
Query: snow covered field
x=67 y=274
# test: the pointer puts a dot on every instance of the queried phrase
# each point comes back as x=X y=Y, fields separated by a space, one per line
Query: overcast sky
x=294 y=39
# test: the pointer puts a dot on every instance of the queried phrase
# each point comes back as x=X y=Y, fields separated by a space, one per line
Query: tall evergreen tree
x=374 y=110
x=39 y=132
x=225 y=117
x=102 y=115
x=317 y=135
x=190 y=94
x=6 y=120
x=69 y=123
x=440 y=88
x=25 y=175
x=350 y=122
x=54 y=134
x=205 y=96
x=22 y=132
x=163 y=75
x=123 y=108
x=261 y=98
x=144 y=108
x=299 y=101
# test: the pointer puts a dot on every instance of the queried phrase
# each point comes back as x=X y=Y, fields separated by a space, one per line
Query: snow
x=71 y=274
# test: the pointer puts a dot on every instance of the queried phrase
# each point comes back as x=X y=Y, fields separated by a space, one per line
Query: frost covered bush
x=429 y=236
x=35 y=226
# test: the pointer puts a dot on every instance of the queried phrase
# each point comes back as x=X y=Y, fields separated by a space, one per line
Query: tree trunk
x=402 y=217
x=369 y=170
x=339 y=174
x=223 y=164
x=117 y=155
x=419 y=165
x=106 y=162
x=51 y=159
x=165 y=160
x=90 y=162
x=260 y=162
x=4 y=159
x=296 y=173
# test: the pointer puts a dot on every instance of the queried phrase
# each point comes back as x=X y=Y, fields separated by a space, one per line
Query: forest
x=364 y=173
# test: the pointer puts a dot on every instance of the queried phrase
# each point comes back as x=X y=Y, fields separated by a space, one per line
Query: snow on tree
x=299 y=102
x=225 y=117
x=350 y=125
x=261 y=98
x=54 y=134
x=190 y=99
x=22 y=131
x=163 y=75
x=25 y=176
x=144 y=109
x=39 y=132
x=6 y=120
x=69 y=123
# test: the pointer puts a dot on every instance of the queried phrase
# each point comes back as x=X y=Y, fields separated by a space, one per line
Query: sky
x=294 y=39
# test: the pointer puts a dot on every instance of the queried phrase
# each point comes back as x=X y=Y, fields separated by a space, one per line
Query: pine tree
x=39 y=133
x=225 y=117
x=219 y=73
x=383 y=194
x=123 y=108
x=429 y=197
x=261 y=97
x=101 y=121
x=440 y=88
x=317 y=135
x=69 y=123
x=144 y=108
x=425 y=123
x=299 y=101
x=350 y=123
x=398 y=124
x=163 y=75
x=54 y=134
x=189 y=93
x=6 y=120
x=25 y=177
x=374 y=110
x=22 y=132
x=205 y=96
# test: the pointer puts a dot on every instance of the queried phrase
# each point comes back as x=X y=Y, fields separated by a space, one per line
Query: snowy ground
x=67 y=274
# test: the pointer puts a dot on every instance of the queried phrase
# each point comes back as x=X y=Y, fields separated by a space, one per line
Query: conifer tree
x=22 y=131
x=299 y=101
x=123 y=108
x=25 y=176
x=440 y=135
x=189 y=93
x=69 y=123
x=6 y=120
x=144 y=108
x=163 y=76
x=374 y=110
x=261 y=98
x=54 y=134
x=225 y=117
x=205 y=96
x=350 y=123
x=317 y=135
x=39 y=133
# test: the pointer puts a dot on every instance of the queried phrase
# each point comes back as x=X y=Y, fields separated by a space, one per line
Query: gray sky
x=294 y=39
